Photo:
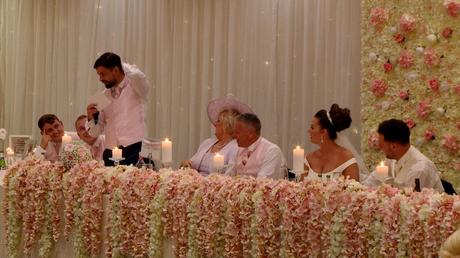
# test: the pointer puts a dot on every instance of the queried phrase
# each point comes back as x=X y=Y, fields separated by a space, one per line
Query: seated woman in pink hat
x=222 y=114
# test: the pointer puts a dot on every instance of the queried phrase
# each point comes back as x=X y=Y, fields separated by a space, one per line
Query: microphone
x=96 y=117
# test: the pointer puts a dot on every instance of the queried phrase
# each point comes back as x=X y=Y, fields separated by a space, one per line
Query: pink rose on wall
x=452 y=7
x=404 y=95
x=447 y=32
x=387 y=67
x=434 y=84
x=429 y=135
x=373 y=140
x=431 y=58
x=423 y=109
x=399 y=38
x=457 y=89
x=450 y=143
x=379 y=87
x=406 y=60
x=410 y=123
x=457 y=166
x=407 y=23
x=378 y=16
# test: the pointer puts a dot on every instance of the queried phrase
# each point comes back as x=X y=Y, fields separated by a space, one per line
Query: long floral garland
x=217 y=216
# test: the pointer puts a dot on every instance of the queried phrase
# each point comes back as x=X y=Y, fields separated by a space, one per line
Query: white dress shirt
x=123 y=120
x=262 y=159
x=413 y=164
x=51 y=152
x=98 y=147
x=203 y=164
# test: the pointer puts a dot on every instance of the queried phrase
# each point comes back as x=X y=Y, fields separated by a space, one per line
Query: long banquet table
x=219 y=216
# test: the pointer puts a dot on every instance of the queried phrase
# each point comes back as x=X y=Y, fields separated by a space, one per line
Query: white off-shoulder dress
x=335 y=173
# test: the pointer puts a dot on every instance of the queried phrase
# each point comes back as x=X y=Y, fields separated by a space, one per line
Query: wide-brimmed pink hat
x=218 y=105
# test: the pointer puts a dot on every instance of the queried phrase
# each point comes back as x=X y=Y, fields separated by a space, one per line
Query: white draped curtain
x=285 y=58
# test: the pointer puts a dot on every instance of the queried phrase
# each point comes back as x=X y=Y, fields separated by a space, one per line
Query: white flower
x=444 y=86
x=431 y=38
x=419 y=50
x=372 y=56
x=441 y=110
x=412 y=76
x=393 y=30
x=385 y=105
x=419 y=141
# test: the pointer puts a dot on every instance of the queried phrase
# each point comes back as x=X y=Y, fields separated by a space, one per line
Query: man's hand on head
x=45 y=140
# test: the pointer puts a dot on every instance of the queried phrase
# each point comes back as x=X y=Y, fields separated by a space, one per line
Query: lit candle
x=297 y=160
x=66 y=139
x=9 y=152
x=381 y=171
x=166 y=151
x=218 y=162
x=117 y=153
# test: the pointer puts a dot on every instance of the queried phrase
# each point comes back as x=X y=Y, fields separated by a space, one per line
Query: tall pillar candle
x=166 y=151
x=297 y=159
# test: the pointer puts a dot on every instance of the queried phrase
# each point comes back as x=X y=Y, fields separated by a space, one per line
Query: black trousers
x=130 y=153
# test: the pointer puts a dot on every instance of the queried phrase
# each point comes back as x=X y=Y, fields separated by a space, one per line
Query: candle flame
x=298 y=147
x=382 y=164
x=116 y=148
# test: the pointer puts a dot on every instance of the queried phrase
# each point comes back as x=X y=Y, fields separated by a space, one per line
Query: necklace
x=220 y=144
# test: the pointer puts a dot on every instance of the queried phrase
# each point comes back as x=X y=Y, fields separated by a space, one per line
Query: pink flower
x=387 y=67
x=407 y=23
x=458 y=125
x=431 y=58
x=378 y=16
x=452 y=7
x=410 y=123
x=404 y=95
x=434 y=84
x=406 y=60
x=423 y=109
x=373 y=140
x=429 y=135
x=399 y=38
x=379 y=87
x=447 y=32
x=457 y=166
x=457 y=89
x=450 y=143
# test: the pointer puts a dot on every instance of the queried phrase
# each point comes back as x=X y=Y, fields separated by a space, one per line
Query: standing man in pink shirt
x=123 y=120
x=257 y=156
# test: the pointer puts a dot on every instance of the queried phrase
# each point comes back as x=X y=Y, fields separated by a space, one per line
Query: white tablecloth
x=63 y=248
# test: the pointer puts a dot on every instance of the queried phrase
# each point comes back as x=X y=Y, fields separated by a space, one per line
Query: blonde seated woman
x=222 y=114
x=331 y=160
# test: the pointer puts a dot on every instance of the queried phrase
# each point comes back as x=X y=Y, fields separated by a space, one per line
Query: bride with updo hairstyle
x=331 y=159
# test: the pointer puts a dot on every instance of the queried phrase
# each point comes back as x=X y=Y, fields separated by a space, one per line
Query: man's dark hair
x=251 y=120
x=46 y=119
x=109 y=60
x=395 y=130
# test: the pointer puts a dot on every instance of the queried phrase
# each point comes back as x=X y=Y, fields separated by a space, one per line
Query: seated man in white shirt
x=52 y=130
x=409 y=164
x=95 y=144
x=257 y=156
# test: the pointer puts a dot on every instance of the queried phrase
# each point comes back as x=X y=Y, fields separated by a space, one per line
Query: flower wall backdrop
x=409 y=65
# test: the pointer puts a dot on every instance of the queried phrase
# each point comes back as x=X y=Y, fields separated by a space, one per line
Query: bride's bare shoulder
x=345 y=153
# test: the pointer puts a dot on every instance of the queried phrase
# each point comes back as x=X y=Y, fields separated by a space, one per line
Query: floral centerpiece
x=74 y=153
